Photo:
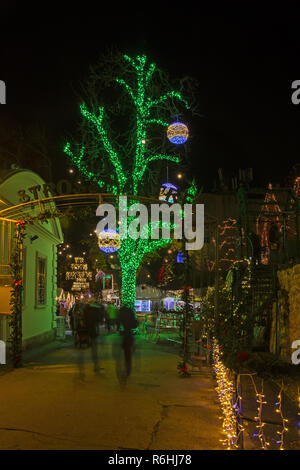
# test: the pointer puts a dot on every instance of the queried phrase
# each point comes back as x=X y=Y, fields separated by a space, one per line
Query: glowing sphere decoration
x=177 y=133
x=109 y=241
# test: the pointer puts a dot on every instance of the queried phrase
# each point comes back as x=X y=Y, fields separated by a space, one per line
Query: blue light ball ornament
x=109 y=241
x=177 y=133
x=168 y=193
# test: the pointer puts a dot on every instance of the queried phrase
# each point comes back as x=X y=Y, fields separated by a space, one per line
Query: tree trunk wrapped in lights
x=127 y=162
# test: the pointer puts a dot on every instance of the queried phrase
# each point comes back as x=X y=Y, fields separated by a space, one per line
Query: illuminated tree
x=117 y=161
x=228 y=236
x=269 y=217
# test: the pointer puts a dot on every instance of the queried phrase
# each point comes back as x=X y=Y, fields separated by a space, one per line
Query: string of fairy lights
x=260 y=399
x=230 y=398
x=225 y=390
x=284 y=428
x=225 y=394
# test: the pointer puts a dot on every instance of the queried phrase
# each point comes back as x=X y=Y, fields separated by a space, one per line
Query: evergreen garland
x=16 y=299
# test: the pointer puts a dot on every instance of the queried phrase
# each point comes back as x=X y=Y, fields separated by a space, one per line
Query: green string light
x=131 y=251
x=82 y=167
x=191 y=193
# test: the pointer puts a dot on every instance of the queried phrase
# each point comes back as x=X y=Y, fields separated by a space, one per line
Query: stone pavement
x=48 y=405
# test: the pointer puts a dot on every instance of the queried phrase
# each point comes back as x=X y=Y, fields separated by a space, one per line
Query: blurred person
x=106 y=317
x=92 y=320
x=102 y=314
x=74 y=310
x=128 y=323
x=117 y=319
x=62 y=310
x=88 y=320
x=78 y=320
x=112 y=315
x=98 y=312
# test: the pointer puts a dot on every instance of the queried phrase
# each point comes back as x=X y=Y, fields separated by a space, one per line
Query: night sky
x=244 y=65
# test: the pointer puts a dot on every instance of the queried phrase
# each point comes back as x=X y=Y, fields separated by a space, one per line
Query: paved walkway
x=46 y=405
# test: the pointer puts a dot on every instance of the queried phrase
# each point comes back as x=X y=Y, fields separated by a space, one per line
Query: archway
x=34 y=213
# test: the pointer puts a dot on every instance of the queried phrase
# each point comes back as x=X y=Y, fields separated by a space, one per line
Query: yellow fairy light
x=225 y=390
x=260 y=424
x=284 y=420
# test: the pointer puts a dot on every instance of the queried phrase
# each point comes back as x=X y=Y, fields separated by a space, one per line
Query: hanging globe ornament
x=177 y=133
x=109 y=241
x=168 y=193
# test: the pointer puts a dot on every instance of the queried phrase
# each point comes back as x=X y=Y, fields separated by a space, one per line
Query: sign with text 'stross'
x=2 y=92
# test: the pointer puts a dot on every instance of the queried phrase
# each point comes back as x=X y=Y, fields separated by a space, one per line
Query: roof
x=5 y=174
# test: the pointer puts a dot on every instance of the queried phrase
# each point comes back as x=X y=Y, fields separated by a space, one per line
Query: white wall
x=36 y=319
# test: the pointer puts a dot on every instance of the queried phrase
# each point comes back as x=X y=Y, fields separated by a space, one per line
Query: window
x=41 y=285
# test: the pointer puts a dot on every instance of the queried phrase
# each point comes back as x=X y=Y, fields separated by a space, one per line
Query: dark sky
x=245 y=66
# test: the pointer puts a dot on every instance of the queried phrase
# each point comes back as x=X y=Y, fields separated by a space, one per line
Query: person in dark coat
x=57 y=308
x=74 y=313
x=92 y=319
x=128 y=322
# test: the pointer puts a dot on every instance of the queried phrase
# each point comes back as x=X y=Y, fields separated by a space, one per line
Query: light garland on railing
x=225 y=390
x=260 y=424
x=284 y=420
x=231 y=407
x=230 y=397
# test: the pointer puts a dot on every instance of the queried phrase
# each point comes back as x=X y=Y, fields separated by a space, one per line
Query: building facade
x=39 y=264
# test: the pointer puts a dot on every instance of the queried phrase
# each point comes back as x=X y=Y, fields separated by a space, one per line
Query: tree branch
x=150 y=72
x=82 y=166
x=170 y=158
x=155 y=244
x=130 y=60
x=157 y=121
x=113 y=156
x=169 y=94
x=128 y=88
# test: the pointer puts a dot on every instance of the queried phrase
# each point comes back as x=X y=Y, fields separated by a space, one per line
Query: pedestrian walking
x=128 y=323
x=106 y=317
x=88 y=320
x=92 y=319
x=112 y=315
x=62 y=310
x=73 y=314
